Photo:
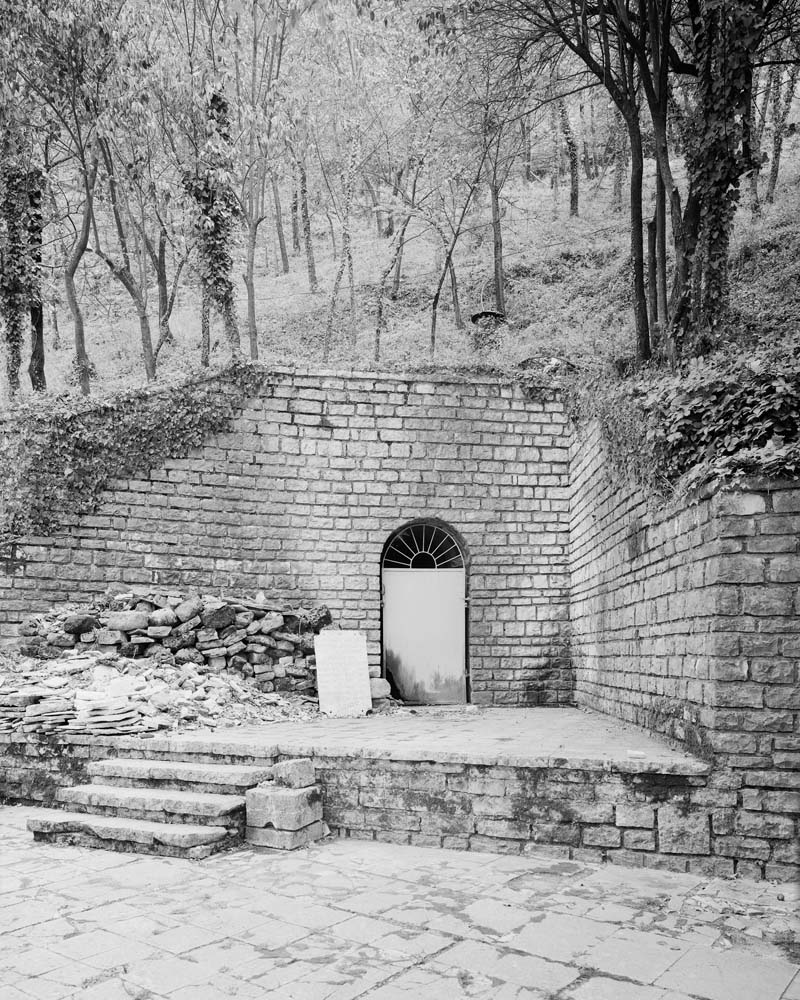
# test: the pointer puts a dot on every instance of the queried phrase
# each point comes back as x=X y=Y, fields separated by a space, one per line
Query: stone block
x=78 y=624
x=219 y=617
x=297 y=773
x=162 y=617
x=680 y=832
x=742 y=847
x=127 y=621
x=188 y=609
x=639 y=816
x=379 y=688
x=283 y=808
x=110 y=637
x=601 y=836
x=159 y=631
x=285 y=840
x=763 y=824
x=186 y=627
x=639 y=840
x=270 y=622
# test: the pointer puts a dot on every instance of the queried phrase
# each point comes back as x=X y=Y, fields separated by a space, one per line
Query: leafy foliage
x=60 y=455
x=710 y=424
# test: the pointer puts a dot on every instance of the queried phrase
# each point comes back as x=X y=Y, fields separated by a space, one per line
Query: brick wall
x=687 y=621
x=300 y=497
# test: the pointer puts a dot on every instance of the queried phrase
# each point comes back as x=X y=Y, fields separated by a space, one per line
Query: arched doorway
x=424 y=605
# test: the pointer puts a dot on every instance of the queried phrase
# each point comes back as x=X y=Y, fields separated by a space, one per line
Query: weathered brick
x=680 y=832
x=601 y=836
x=763 y=824
x=639 y=840
x=767 y=600
x=635 y=815
x=742 y=847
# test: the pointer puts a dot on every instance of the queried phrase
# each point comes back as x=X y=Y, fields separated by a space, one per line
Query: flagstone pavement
x=347 y=919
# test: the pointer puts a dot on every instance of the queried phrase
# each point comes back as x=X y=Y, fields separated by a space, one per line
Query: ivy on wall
x=57 y=456
x=712 y=423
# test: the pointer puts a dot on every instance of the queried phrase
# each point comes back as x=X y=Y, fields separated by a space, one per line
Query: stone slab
x=342 y=673
x=283 y=808
x=242 y=775
x=285 y=840
x=299 y=773
x=134 y=830
x=152 y=800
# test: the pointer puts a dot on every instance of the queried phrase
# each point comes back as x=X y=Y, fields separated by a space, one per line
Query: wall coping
x=214 y=744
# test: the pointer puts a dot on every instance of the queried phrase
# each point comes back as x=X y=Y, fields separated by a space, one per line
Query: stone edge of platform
x=250 y=748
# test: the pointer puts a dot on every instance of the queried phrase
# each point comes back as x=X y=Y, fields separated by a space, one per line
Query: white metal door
x=424 y=634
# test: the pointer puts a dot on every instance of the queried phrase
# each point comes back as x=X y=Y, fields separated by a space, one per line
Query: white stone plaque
x=342 y=673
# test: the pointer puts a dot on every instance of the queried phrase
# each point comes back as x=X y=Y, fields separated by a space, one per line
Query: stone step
x=159 y=805
x=176 y=840
x=229 y=779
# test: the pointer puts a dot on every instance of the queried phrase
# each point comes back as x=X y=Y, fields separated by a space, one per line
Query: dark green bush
x=58 y=455
x=714 y=422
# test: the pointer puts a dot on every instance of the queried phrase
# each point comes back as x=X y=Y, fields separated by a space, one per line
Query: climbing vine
x=58 y=456
x=216 y=211
x=712 y=423
x=718 y=146
x=14 y=267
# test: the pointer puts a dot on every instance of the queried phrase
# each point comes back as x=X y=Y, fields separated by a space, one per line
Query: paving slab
x=534 y=737
x=351 y=919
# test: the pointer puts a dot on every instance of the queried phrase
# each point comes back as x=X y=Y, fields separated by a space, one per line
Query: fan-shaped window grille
x=423 y=546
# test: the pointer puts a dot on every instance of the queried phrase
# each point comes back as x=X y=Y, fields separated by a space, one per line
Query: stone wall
x=688 y=622
x=300 y=497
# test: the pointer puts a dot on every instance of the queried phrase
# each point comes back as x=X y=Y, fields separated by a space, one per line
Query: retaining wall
x=299 y=498
x=687 y=622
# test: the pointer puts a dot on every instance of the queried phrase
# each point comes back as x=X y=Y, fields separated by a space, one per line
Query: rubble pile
x=139 y=663
x=270 y=643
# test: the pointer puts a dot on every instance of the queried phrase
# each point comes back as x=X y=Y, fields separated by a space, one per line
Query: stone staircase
x=173 y=808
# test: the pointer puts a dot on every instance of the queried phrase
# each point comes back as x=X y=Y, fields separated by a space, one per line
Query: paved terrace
x=347 y=919
x=534 y=737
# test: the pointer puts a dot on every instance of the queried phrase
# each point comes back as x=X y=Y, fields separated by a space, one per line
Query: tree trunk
x=312 y=269
x=555 y=169
x=56 y=342
x=147 y=345
x=295 y=212
x=780 y=114
x=373 y=197
x=637 y=241
x=454 y=292
x=35 y=227
x=398 y=268
x=250 y=285
x=82 y=363
x=398 y=249
x=332 y=231
x=572 y=151
x=205 y=328
x=759 y=120
x=526 y=149
x=15 y=303
x=661 y=252
x=652 y=291
x=231 y=326
x=497 y=237
x=164 y=306
x=279 y=227
x=166 y=298
x=620 y=164
x=587 y=160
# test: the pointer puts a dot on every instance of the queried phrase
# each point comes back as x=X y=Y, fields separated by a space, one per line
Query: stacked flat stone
x=284 y=811
x=272 y=644
x=14 y=703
